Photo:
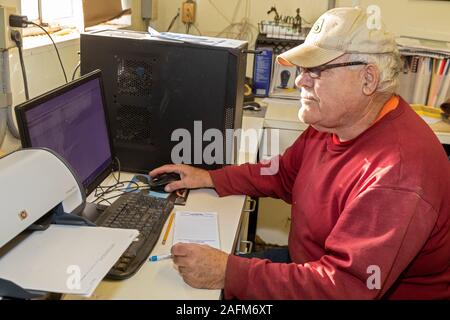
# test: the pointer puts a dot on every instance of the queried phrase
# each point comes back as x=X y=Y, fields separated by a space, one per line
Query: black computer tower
x=155 y=86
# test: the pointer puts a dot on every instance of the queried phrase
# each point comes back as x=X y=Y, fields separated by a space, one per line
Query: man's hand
x=191 y=178
x=201 y=266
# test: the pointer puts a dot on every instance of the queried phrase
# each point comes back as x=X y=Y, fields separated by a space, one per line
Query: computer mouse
x=159 y=182
x=142 y=178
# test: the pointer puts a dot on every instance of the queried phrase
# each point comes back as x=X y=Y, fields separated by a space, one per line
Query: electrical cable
x=220 y=12
x=173 y=20
x=54 y=44
x=76 y=69
x=242 y=30
x=121 y=187
x=198 y=30
x=24 y=73
x=3 y=123
x=11 y=125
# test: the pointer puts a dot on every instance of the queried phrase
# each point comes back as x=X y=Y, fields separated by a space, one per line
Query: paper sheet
x=65 y=259
x=196 y=227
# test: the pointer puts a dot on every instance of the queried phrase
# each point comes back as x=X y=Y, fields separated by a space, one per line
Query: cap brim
x=308 y=56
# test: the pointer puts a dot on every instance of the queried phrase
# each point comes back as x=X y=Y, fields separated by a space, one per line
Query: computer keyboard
x=136 y=211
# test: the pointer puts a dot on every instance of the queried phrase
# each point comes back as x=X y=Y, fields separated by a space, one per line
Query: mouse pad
x=139 y=180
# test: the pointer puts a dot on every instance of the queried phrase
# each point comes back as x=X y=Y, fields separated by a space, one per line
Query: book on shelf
x=425 y=77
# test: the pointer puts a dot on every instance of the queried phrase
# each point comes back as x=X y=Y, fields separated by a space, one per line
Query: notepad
x=196 y=227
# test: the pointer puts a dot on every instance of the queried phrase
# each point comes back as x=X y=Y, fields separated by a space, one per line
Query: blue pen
x=159 y=258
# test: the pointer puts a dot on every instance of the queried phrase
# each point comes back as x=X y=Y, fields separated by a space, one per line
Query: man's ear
x=371 y=79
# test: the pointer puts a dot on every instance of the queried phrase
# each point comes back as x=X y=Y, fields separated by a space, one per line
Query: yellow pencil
x=168 y=228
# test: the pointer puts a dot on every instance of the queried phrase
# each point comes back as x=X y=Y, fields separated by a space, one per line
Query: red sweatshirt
x=381 y=201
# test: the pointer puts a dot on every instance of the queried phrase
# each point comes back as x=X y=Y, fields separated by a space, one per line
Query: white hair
x=388 y=64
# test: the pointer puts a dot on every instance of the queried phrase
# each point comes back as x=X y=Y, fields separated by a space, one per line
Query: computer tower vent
x=229 y=118
x=133 y=124
x=134 y=77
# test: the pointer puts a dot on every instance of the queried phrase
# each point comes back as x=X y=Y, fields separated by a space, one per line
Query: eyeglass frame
x=313 y=71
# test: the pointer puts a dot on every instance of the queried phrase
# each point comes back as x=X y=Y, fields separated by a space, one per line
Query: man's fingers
x=184 y=264
x=179 y=250
x=177 y=185
x=168 y=168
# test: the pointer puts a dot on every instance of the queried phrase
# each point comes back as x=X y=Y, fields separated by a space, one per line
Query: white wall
x=9 y=3
x=418 y=18
x=421 y=18
x=211 y=22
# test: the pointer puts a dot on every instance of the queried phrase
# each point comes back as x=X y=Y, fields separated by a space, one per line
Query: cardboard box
x=262 y=71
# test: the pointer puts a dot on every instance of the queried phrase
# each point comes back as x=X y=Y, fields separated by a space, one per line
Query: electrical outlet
x=5 y=31
x=188 y=12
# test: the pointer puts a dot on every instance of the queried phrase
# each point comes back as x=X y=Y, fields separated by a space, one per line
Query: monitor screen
x=71 y=120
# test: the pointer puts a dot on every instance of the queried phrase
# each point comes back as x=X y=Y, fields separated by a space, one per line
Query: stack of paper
x=65 y=259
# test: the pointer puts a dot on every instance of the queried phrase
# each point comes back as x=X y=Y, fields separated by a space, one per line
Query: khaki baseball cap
x=337 y=32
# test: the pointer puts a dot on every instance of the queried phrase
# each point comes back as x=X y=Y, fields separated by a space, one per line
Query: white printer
x=35 y=183
x=43 y=233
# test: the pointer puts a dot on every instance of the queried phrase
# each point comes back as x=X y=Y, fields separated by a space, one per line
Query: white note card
x=196 y=227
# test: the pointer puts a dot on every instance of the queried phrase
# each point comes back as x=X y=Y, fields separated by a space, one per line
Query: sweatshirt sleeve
x=381 y=230
x=265 y=179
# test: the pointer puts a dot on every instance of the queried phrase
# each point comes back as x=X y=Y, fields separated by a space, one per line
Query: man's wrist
x=209 y=180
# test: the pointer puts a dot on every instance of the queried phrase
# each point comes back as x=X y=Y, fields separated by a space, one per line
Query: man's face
x=332 y=101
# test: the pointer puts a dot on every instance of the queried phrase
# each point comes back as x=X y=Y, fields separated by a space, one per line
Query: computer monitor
x=71 y=120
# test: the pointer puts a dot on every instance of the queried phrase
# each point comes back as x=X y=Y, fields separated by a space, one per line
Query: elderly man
x=368 y=181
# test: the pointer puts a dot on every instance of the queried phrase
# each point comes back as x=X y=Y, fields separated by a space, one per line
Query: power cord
x=75 y=71
x=17 y=21
x=173 y=21
x=17 y=38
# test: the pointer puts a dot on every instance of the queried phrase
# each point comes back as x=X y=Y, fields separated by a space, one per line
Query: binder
x=423 y=81
x=407 y=77
x=444 y=92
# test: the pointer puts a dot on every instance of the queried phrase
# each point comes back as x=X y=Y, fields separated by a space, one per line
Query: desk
x=160 y=280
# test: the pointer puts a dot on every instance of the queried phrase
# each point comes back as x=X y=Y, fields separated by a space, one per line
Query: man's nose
x=304 y=80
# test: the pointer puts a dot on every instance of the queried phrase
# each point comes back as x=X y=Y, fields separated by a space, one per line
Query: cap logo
x=317 y=27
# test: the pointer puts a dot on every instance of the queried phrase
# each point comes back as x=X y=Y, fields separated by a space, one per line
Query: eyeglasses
x=315 y=72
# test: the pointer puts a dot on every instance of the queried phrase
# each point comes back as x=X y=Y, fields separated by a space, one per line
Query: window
x=69 y=13
x=61 y=12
